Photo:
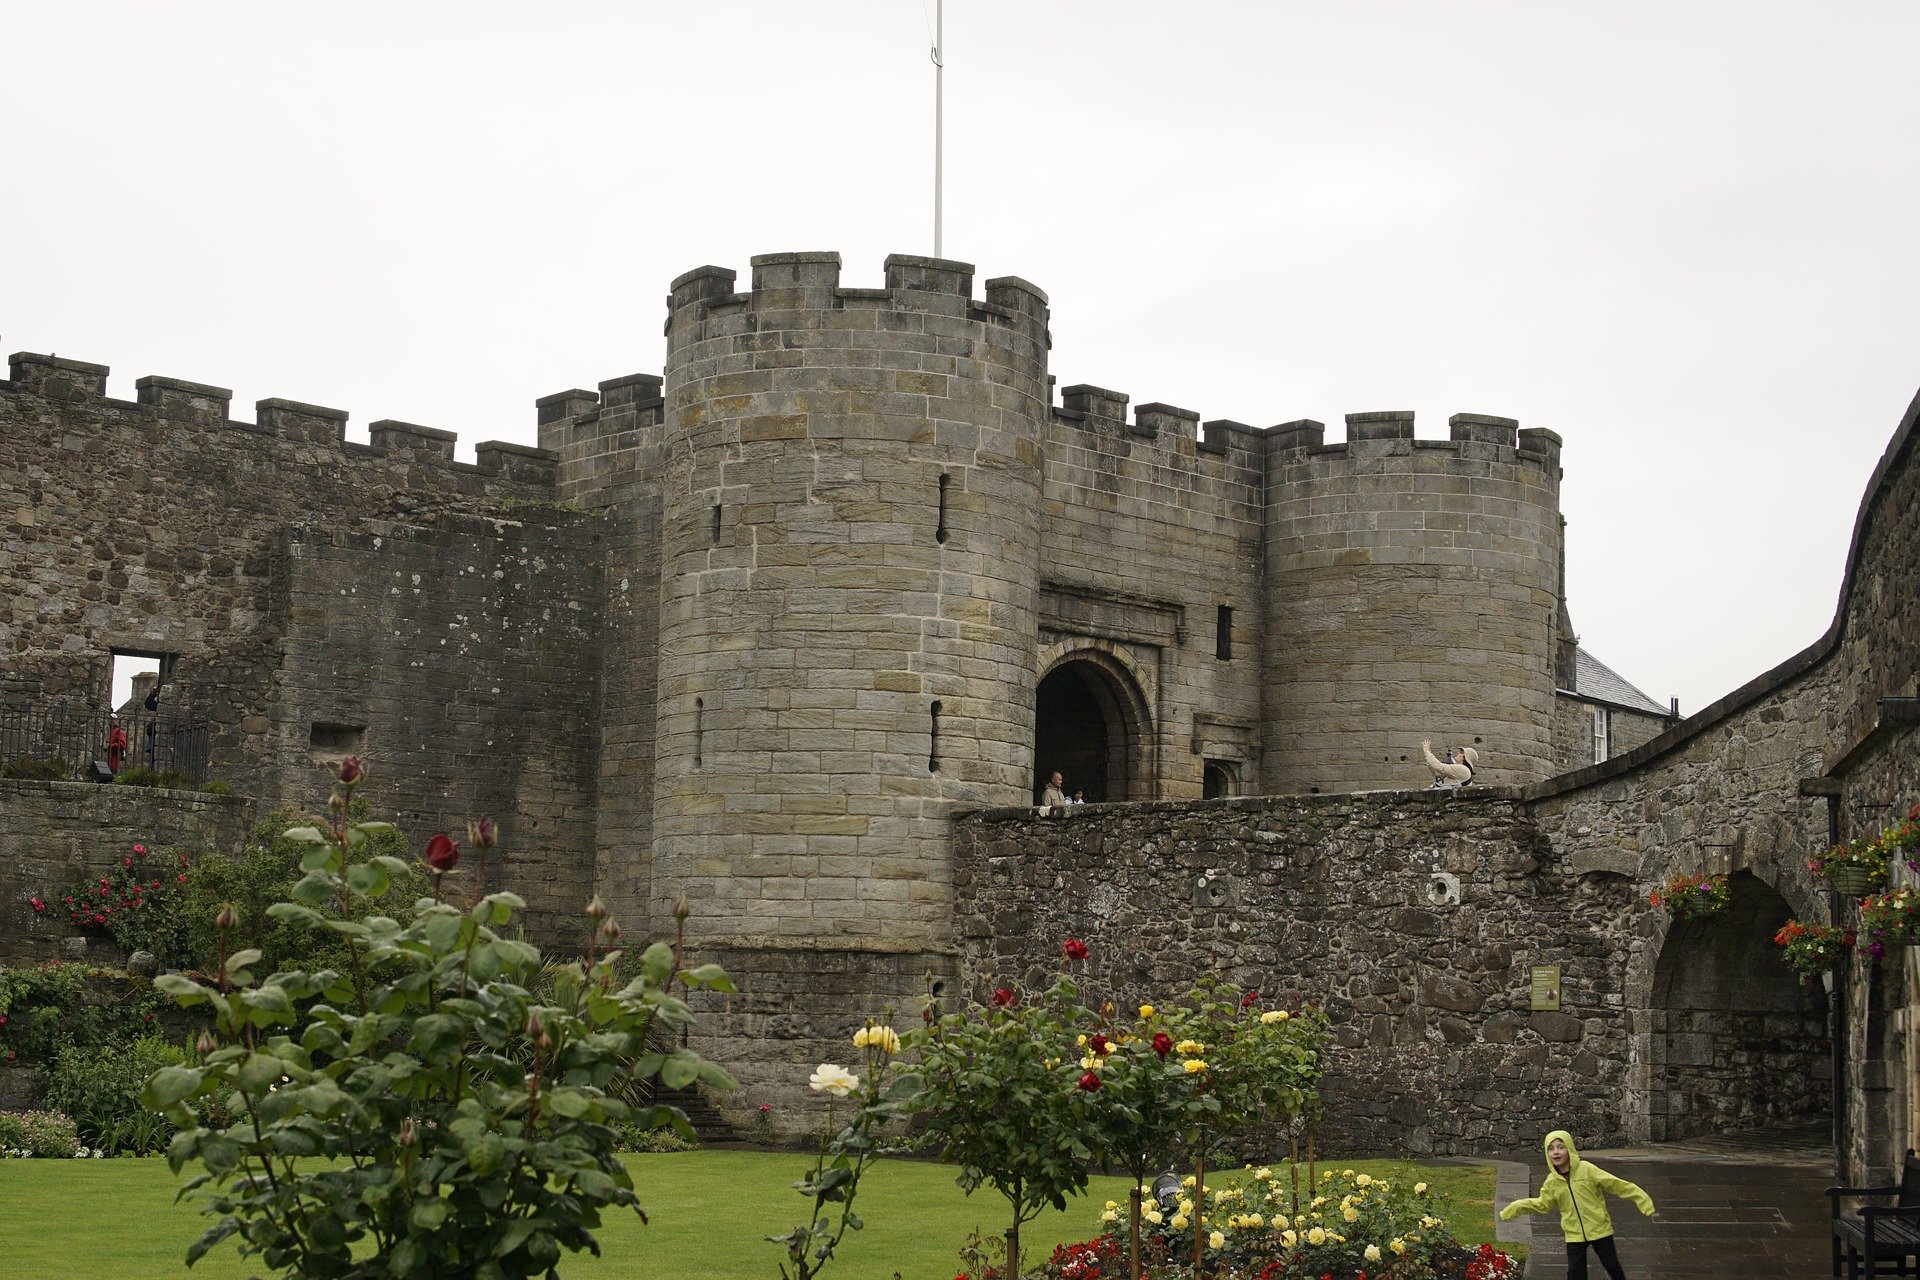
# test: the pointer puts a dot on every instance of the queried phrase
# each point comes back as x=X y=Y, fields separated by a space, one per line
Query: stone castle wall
x=437 y=614
x=56 y=834
x=1412 y=589
x=1411 y=918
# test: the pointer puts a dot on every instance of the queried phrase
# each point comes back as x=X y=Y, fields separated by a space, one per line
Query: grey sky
x=1680 y=235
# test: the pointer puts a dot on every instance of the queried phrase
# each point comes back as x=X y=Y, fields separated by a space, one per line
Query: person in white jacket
x=1456 y=770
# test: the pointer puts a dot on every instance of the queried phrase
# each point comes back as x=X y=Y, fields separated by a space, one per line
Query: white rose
x=831 y=1077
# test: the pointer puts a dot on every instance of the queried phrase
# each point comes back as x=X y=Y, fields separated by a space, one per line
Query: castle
x=753 y=632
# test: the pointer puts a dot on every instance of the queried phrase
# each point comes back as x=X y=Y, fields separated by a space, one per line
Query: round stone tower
x=1412 y=591
x=849 y=573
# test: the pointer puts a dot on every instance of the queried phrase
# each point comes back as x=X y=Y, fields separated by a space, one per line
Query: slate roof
x=1595 y=680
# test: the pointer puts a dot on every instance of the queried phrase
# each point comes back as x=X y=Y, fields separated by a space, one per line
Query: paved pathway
x=1748 y=1206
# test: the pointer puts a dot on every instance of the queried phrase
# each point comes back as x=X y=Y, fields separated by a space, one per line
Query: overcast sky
x=1683 y=236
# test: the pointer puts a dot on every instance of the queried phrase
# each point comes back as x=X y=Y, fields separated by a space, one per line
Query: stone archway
x=1091 y=723
x=1737 y=1040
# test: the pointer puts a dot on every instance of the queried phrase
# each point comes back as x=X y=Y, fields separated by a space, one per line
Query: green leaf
x=169 y=1085
x=409 y=1258
x=305 y=835
x=375 y=828
x=260 y=1072
x=268 y=999
x=319 y=858
x=656 y=963
x=681 y=1069
x=241 y=959
x=570 y=1103
x=185 y=991
x=510 y=1239
x=314 y=889
x=369 y=879
x=428 y=1215
x=294 y=913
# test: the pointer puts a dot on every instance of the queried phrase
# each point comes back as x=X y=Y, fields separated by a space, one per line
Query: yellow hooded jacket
x=1581 y=1195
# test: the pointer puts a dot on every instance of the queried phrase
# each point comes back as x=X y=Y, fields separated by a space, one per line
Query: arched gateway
x=1738 y=1041
x=1092 y=724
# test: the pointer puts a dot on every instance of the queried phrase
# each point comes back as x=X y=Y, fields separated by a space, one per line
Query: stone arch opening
x=1738 y=1040
x=1091 y=724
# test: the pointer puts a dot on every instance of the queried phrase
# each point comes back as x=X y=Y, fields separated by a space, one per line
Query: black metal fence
x=40 y=739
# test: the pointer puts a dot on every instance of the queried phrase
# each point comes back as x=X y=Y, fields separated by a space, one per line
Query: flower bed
x=1265 y=1225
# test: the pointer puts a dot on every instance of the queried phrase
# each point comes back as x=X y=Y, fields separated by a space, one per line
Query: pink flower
x=1002 y=998
x=140 y=849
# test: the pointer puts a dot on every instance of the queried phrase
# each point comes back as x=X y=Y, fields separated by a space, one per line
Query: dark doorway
x=1216 y=782
x=1088 y=728
x=1739 y=1041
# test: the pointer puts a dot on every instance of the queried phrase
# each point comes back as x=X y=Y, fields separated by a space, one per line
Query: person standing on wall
x=116 y=744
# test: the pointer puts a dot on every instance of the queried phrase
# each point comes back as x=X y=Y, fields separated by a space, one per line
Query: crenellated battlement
x=200 y=407
x=784 y=282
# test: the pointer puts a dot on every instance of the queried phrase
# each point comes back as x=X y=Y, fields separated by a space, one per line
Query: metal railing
x=76 y=735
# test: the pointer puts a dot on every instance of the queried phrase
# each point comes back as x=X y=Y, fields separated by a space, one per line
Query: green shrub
x=36 y=768
x=100 y=1088
x=54 y=1006
x=264 y=873
x=637 y=1138
x=140 y=903
x=46 y=1134
x=417 y=1113
x=216 y=787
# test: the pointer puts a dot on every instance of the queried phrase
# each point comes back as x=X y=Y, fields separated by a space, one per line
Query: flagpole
x=939 y=93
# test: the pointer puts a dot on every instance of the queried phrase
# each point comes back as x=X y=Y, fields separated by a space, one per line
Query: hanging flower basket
x=1856 y=868
x=1891 y=920
x=1813 y=949
x=1692 y=896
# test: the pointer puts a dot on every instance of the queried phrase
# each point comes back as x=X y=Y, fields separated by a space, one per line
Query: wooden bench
x=1879 y=1233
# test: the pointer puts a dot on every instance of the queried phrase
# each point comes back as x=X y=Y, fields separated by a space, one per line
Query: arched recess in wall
x=1092 y=724
x=1738 y=1041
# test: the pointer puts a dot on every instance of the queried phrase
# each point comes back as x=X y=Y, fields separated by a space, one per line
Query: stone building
x=752 y=633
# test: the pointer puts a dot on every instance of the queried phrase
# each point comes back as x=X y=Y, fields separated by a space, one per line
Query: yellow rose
x=1082 y=1042
x=1195 y=1066
x=1317 y=1202
x=1111 y=1215
x=1289 y=1239
x=1347 y=1173
x=1186 y=1205
x=1419 y=1188
x=1272 y=1016
x=1188 y=1048
x=1151 y=1215
x=1179 y=1222
x=1280 y=1220
x=1216 y=1240
x=1373 y=1253
x=1350 y=1213
x=1262 y=1174
x=1187 y=1181
x=1146 y=1011
x=1317 y=1236
x=1429 y=1221
x=1363 y=1181
x=1087 y=1063
x=1398 y=1246
x=1255 y=1220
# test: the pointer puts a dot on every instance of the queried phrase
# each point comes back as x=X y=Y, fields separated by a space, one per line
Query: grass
x=86 y=1218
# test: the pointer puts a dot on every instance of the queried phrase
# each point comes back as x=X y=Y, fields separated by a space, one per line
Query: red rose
x=1090 y=1082
x=1002 y=998
x=182 y=879
x=1246 y=1001
x=126 y=862
x=1097 y=1042
x=443 y=852
x=350 y=771
x=1075 y=949
x=1162 y=1043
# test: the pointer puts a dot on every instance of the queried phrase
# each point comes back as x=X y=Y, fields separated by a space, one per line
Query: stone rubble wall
x=54 y=834
x=1412 y=918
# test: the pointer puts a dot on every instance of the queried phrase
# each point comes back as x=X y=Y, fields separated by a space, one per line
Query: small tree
x=419 y=1114
x=1006 y=1097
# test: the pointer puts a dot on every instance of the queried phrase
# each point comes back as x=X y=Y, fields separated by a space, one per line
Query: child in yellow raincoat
x=1579 y=1190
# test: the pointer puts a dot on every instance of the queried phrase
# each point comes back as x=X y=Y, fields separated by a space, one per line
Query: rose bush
x=419 y=1113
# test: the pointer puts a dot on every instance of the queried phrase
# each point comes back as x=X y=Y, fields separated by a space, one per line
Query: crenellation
x=187 y=401
x=57 y=377
x=302 y=423
x=565 y=404
x=1382 y=425
x=517 y=462
x=1480 y=428
x=1155 y=418
x=641 y=390
x=410 y=441
x=1088 y=401
x=910 y=273
x=1301 y=433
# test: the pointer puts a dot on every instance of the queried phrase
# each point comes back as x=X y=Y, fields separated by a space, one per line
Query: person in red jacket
x=116 y=745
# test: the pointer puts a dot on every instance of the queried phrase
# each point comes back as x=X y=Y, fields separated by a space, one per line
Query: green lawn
x=116 y=1218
